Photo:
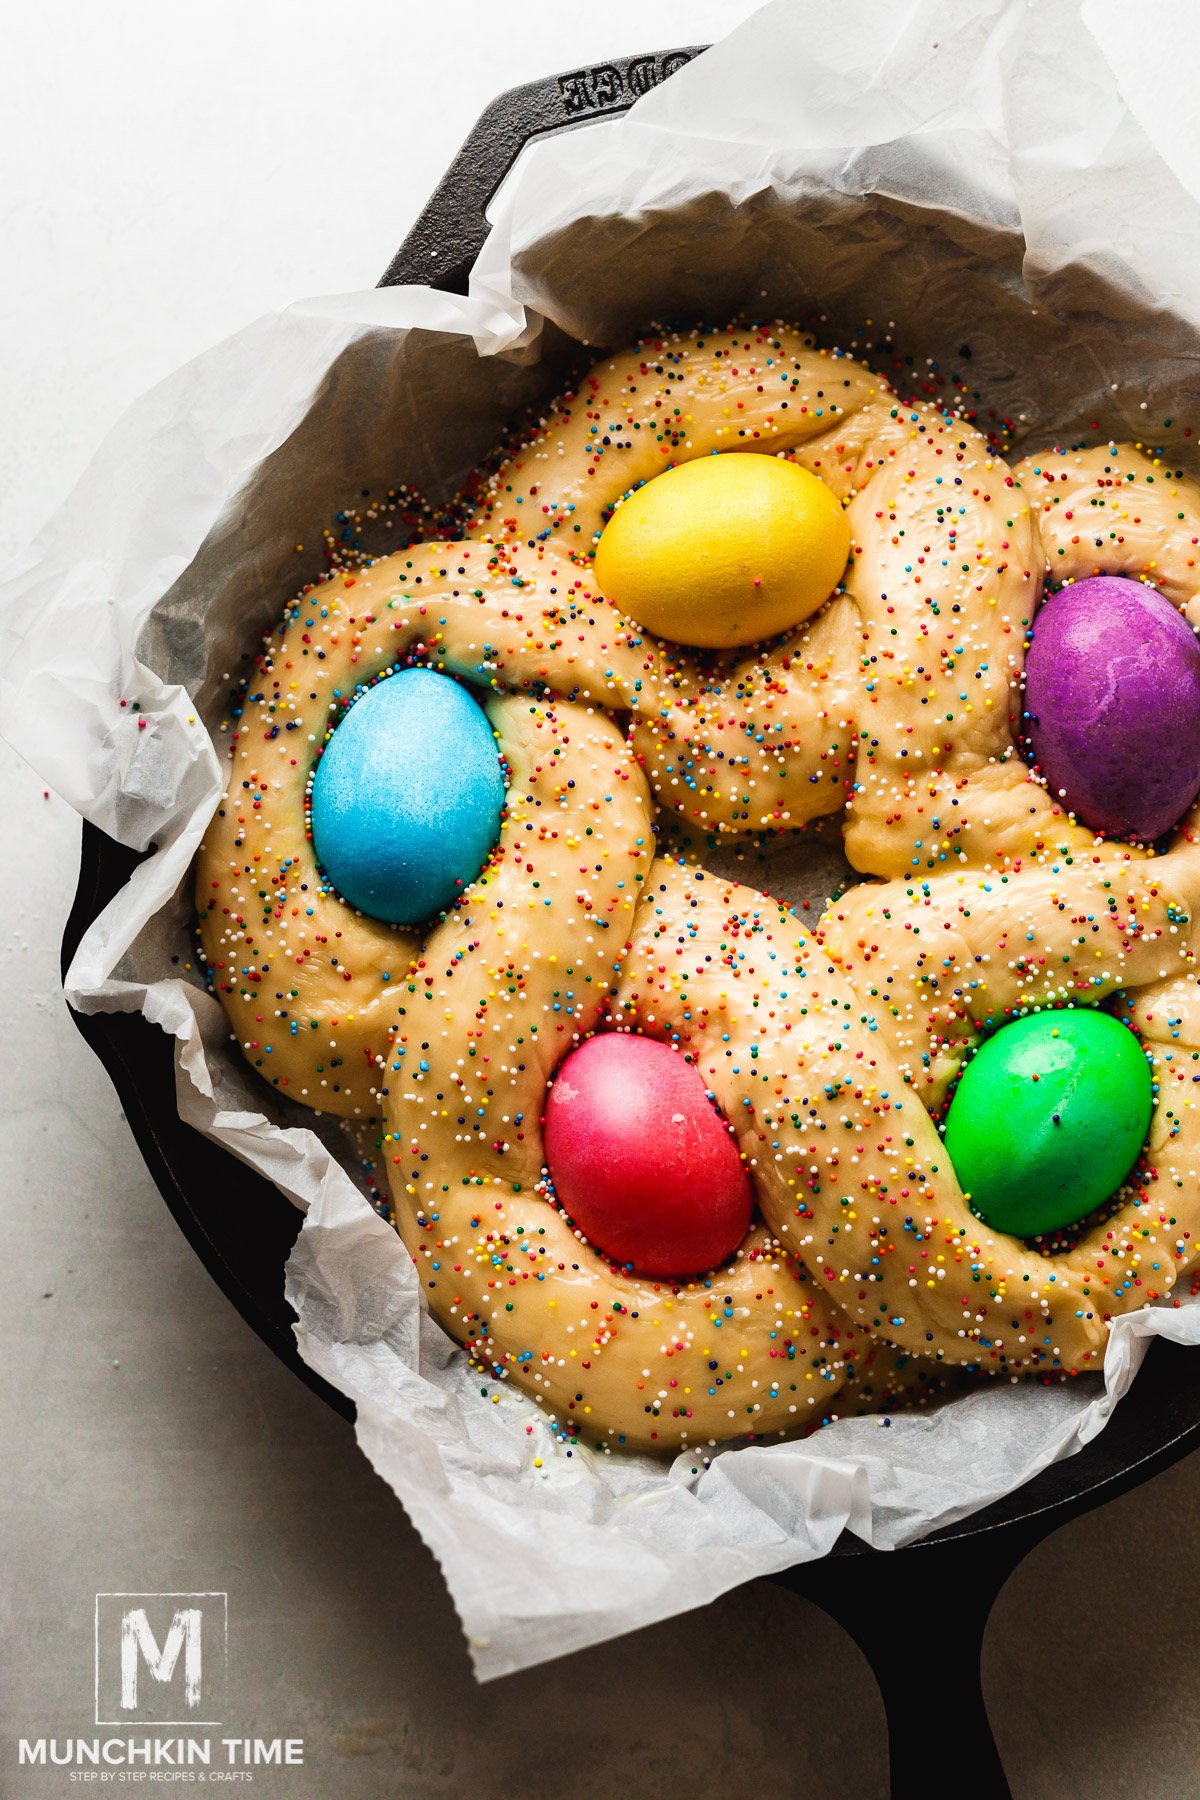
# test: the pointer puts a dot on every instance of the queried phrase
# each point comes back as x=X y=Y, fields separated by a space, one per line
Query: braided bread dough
x=830 y=1054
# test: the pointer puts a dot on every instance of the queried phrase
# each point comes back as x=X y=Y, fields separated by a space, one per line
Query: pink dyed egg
x=642 y=1161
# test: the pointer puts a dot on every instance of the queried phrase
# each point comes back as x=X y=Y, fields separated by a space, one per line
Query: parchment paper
x=992 y=188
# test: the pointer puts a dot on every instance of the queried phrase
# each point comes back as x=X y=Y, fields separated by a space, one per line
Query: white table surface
x=171 y=173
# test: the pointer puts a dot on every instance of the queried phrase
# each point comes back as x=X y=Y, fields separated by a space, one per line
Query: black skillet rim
x=238 y=1223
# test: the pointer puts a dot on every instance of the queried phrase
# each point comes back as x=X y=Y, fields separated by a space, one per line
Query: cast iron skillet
x=919 y=1614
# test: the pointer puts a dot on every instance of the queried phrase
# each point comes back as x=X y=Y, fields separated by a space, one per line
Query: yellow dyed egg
x=724 y=550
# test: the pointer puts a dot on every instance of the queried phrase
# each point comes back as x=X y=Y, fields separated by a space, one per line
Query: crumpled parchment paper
x=1004 y=191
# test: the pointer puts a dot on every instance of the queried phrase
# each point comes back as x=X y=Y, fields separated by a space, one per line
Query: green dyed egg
x=1048 y=1119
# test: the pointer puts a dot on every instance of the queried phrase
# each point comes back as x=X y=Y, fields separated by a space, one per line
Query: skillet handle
x=919 y=1619
x=444 y=242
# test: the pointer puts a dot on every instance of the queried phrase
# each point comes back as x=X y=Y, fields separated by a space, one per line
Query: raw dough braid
x=515 y=978
x=831 y=1054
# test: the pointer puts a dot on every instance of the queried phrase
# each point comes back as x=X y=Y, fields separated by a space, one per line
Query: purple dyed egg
x=1112 y=705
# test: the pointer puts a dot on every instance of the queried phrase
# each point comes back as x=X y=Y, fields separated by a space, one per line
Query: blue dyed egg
x=406 y=800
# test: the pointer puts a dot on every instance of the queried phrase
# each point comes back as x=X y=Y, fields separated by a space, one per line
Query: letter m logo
x=161 y=1658
x=138 y=1645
